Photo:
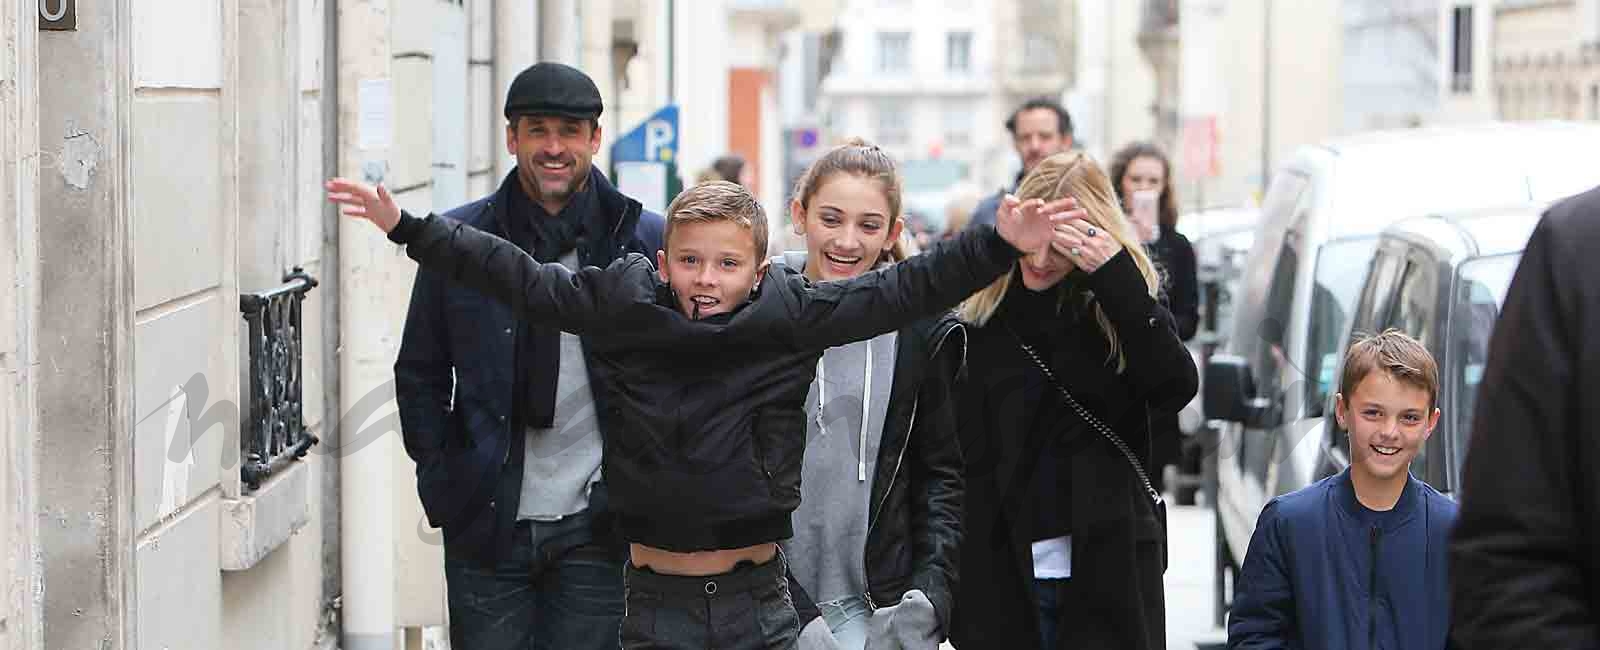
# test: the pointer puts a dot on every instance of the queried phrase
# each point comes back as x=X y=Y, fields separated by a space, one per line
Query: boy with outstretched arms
x=705 y=361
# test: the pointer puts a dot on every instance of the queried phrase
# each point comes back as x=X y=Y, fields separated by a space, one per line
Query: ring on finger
x=1092 y=231
x=1076 y=251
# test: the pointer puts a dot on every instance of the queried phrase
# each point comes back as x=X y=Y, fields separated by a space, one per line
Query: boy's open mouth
x=1385 y=451
x=704 y=302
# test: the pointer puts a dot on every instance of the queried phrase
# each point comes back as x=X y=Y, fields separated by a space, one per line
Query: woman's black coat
x=1118 y=540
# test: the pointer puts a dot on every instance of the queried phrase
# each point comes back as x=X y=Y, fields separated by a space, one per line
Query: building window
x=1038 y=52
x=893 y=124
x=894 y=52
x=1461 y=50
x=958 y=52
x=958 y=120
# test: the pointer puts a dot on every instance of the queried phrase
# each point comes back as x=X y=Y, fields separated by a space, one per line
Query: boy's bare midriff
x=700 y=563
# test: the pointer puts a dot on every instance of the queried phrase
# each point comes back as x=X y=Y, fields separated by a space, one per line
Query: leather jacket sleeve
x=828 y=314
x=937 y=485
x=544 y=294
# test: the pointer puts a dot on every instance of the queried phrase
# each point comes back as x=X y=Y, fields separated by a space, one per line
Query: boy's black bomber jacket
x=703 y=421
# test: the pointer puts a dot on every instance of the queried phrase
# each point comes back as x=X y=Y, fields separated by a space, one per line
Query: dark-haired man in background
x=1040 y=128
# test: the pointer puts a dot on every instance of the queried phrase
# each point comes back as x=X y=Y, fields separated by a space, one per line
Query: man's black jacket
x=703 y=420
x=1524 y=560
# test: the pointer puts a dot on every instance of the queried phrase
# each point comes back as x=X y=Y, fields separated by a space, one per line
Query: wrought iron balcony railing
x=275 y=434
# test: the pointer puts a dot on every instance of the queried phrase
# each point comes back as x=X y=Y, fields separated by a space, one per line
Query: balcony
x=276 y=433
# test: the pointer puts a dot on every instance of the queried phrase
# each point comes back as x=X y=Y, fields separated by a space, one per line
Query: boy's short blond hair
x=1398 y=355
x=719 y=201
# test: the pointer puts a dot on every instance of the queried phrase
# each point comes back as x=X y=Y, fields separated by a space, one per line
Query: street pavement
x=1190 y=567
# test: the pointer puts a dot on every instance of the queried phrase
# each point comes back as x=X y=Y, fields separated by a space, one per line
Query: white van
x=1269 y=387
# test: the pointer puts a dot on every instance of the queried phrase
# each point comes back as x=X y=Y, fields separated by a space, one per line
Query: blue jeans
x=847 y=619
x=1050 y=595
x=555 y=590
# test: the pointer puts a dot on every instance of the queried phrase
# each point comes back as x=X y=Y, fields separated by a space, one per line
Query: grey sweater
x=827 y=551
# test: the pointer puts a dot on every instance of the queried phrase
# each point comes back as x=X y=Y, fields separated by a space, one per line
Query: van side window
x=1414 y=304
x=1413 y=314
x=1272 y=348
x=1286 y=200
x=1372 y=309
x=1341 y=270
x=1480 y=292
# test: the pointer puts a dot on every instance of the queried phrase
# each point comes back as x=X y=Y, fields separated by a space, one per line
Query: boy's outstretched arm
x=834 y=313
x=544 y=294
x=1262 y=616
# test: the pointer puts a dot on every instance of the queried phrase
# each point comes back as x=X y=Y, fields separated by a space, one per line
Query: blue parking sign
x=654 y=140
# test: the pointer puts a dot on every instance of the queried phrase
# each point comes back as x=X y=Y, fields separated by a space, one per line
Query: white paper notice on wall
x=375 y=99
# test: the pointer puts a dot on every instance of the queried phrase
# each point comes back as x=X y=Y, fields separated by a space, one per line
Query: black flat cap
x=548 y=88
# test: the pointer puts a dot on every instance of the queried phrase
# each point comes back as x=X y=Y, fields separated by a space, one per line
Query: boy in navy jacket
x=1358 y=560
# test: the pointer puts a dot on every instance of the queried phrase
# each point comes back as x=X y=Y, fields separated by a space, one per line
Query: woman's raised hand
x=1085 y=244
x=1030 y=225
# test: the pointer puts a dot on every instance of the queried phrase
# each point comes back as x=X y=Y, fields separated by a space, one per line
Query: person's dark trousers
x=748 y=608
x=554 y=590
x=1048 y=594
x=1067 y=619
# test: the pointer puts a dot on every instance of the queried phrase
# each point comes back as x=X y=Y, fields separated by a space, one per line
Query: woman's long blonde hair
x=1074 y=174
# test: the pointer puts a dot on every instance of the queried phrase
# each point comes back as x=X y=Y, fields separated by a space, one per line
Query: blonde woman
x=1069 y=357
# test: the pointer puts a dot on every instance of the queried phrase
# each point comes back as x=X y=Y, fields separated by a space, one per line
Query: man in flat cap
x=498 y=414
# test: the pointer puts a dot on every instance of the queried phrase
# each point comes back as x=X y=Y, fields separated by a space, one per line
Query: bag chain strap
x=1138 y=468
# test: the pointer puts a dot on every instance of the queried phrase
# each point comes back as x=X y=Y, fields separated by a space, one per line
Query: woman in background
x=1142 y=176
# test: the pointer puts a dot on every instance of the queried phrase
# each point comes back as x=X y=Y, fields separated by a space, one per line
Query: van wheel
x=1226 y=574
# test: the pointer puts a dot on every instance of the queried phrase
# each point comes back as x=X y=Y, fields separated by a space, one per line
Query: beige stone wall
x=1542 y=66
x=225 y=149
x=1304 y=104
x=18 y=299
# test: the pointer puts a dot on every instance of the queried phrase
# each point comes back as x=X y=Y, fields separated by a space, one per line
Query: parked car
x=1268 y=388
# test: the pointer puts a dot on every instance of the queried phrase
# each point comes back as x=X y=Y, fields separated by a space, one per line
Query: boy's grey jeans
x=747 y=608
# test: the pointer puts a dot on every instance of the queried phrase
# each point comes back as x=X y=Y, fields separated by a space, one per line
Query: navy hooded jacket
x=1323 y=571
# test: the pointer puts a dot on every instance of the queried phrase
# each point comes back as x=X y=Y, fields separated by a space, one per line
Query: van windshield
x=1481 y=286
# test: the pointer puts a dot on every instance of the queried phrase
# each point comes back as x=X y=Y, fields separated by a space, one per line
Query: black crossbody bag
x=1159 y=504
